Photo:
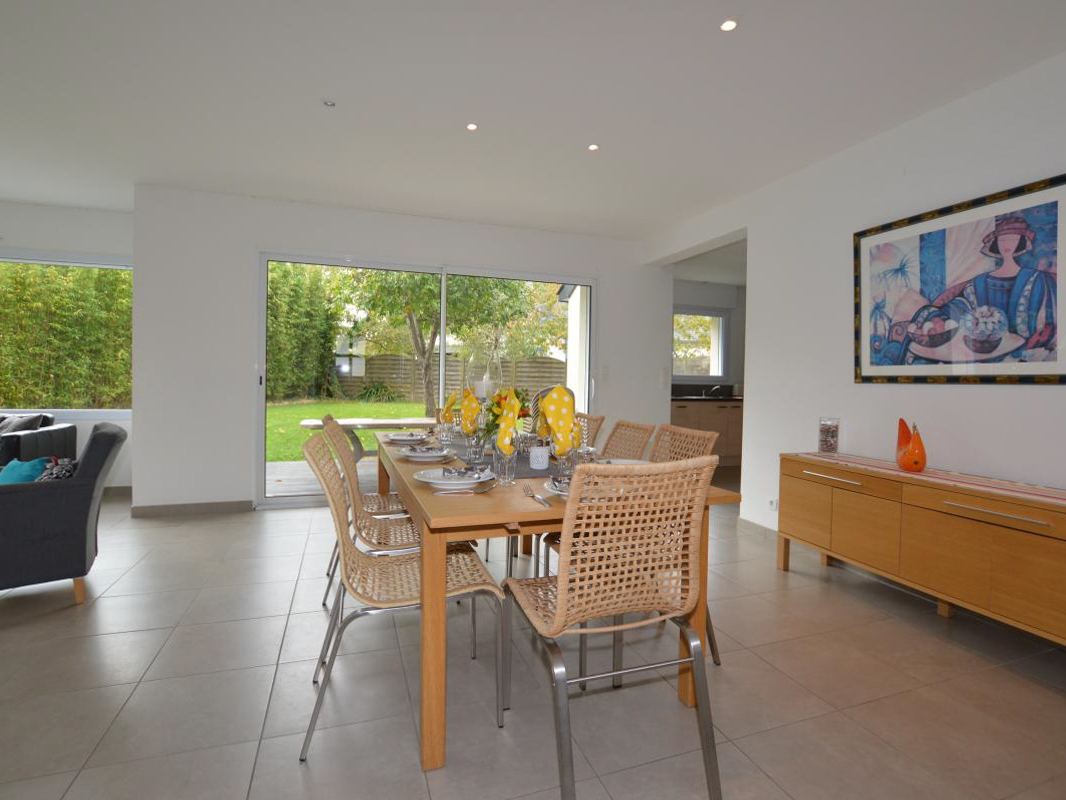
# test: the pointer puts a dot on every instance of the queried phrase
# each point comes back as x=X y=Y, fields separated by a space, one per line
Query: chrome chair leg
x=713 y=641
x=487 y=541
x=502 y=643
x=547 y=557
x=334 y=615
x=583 y=655
x=473 y=625
x=616 y=663
x=331 y=572
x=511 y=551
x=505 y=638
x=536 y=554
x=325 y=680
x=703 y=711
x=561 y=706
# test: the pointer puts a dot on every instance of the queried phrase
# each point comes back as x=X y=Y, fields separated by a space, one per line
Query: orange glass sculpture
x=910 y=452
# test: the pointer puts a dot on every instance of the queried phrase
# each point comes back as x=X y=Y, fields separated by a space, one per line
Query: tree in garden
x=542 y=329
x=412 y=300
x=695 y=338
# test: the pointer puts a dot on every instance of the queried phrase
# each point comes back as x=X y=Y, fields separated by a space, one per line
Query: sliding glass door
x=372 y=344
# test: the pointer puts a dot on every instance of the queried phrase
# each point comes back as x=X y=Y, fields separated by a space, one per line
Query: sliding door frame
x=351 y=262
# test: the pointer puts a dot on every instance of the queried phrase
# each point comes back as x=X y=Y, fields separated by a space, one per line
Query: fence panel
x=400 y=372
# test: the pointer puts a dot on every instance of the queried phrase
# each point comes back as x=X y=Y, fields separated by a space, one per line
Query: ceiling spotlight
x=471 y=126
x=329 y=103
x=594 y=147
x=729 y=25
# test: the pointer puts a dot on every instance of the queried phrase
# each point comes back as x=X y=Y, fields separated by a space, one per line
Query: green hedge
x=65 y=336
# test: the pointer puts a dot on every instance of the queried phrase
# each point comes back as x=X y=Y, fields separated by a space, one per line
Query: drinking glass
x=503 y=464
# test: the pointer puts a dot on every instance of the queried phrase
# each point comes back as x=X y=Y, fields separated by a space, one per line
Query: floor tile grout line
x=118 y=713
x=273 y=681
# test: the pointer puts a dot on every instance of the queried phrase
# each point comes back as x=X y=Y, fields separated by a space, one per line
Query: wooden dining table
x=504 y=511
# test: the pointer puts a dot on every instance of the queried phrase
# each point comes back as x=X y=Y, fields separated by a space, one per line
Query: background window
x=66 y=335
x=699 y=345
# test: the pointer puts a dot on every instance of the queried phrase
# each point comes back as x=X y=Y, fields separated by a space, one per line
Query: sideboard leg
x=944 y=609
x=827 y=560
x=783 y=544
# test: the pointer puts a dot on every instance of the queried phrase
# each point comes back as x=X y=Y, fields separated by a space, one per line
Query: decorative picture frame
x=967 y=293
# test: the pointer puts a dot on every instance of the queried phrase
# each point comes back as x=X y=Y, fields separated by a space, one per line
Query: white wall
x=58 y=233
x=799 y=360
x=719 y=297
x=196 y=319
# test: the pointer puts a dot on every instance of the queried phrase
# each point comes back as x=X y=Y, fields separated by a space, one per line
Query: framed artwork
x=964 y=294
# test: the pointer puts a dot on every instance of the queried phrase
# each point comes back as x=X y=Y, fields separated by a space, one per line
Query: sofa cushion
x=16 y=471
x=20 y=422
x=59 y=470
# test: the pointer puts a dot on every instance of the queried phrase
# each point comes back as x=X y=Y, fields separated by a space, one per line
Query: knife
x=541 y=500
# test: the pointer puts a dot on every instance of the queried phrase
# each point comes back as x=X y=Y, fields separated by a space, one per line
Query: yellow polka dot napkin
x=508 y=421
x=469 y=412
x=446 y=416
x=557 y=407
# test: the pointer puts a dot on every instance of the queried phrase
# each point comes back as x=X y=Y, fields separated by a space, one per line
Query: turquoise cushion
x=16 y=471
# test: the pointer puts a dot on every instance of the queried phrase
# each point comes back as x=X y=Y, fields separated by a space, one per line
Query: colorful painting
x=966 y=294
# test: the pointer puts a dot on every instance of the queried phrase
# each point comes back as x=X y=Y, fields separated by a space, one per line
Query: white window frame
x=68 y=259
x=702 y=311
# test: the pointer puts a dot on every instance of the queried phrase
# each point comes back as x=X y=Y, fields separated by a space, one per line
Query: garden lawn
x=285 y=437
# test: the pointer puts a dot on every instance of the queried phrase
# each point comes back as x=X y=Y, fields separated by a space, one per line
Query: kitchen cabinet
x=724 y=416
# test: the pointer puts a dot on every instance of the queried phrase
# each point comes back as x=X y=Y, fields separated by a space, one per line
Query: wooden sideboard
x=994 y=547
x=724 y=416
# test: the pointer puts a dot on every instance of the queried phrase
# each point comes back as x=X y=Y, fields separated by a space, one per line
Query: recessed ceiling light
x=594 y=147
x=471 y=126
x=329 y=103
x=729 y=25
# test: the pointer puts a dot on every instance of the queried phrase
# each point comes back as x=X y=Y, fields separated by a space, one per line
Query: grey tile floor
x=187 y=675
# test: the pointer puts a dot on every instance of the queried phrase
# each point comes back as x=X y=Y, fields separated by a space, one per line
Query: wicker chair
x=630 y=545
x=373 y=503
x=388 y=584
x=673 y=443
x=590 y=427
x=627 y=440
x=392 y=531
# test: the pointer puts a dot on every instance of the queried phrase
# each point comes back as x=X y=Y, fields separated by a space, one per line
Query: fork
x=530 y=493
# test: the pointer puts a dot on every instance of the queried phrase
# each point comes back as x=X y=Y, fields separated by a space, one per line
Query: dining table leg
x=383 y=479
x=686 y=689
x=434 y=649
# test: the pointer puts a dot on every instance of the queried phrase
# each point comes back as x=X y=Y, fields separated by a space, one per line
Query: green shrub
x=378 y=392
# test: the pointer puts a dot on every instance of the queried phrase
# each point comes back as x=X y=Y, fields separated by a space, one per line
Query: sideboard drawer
x=806 y=510
x=1029 y=580
x=996 y=512
x=866 y=529
x=842 y=479
x=947 y=554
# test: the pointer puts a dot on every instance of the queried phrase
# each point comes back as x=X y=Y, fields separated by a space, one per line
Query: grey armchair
x=48 y=529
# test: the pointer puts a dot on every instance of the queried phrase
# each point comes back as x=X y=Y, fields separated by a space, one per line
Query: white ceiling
x=728 y=264
x=224 y=95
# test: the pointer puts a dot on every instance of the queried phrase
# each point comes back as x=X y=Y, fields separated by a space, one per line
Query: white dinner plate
x=443 y=454
x=408 y=437
x=436 y=478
